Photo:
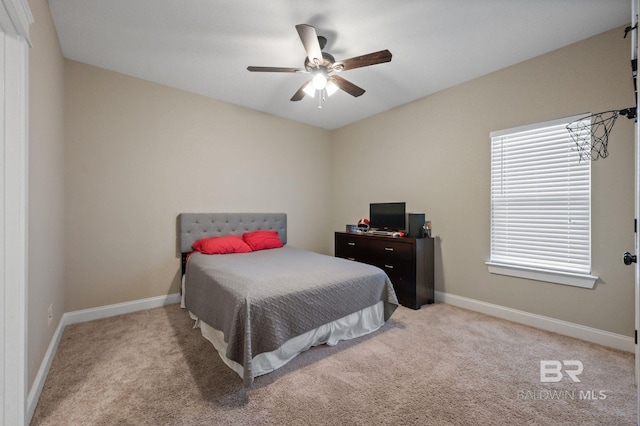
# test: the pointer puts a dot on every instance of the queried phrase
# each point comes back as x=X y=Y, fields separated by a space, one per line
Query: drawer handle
x=388 y=248
x=351 y=244
x=351 y=258
x=388 y=266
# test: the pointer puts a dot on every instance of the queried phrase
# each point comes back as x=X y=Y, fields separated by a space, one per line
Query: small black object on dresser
x=407 y=261
x=416 y=225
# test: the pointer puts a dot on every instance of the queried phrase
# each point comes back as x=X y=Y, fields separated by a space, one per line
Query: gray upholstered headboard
x=193 y=226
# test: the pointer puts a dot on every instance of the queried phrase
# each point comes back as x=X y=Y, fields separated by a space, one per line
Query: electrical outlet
x=50 y=313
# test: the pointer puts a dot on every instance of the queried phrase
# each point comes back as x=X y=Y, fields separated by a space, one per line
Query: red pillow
x=221 y=245
x=260 y=240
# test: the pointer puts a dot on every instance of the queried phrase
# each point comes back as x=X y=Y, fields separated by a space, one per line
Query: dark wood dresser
x=407 y=261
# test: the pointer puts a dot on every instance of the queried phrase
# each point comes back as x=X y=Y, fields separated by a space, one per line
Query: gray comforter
x=260 y=300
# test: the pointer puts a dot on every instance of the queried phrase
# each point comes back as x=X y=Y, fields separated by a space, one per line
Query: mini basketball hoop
x=591 y=133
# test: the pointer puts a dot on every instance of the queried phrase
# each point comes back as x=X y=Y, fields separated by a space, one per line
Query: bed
x=263 y=308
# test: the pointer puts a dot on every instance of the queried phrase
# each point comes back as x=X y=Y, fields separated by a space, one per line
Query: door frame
x=15 y=19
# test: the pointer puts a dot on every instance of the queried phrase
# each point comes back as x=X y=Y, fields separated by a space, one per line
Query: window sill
x=566 y=278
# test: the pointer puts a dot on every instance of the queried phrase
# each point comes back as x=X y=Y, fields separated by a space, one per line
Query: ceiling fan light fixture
x=319 y=81
x=332 y=87
x=309 y=90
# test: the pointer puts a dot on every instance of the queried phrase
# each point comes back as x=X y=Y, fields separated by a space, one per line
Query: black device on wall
x=416 y=225
x=388 y=216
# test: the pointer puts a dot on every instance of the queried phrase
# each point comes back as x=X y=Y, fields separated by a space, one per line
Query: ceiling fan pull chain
x=322 y=96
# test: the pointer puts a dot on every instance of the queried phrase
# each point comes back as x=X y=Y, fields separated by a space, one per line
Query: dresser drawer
x=397 y=271
x=351 y=248
x=403 y=283
x=392 y=251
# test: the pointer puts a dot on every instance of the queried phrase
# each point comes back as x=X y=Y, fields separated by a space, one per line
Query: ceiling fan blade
x=365 y=60
x=310 y=42
x=274 y=69
x=300 y=93
x=347 y=86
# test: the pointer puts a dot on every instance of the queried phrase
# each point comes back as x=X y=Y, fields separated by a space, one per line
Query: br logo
x=552 y=370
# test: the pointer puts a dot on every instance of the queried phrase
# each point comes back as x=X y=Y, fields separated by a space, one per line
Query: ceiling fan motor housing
x=327 y=63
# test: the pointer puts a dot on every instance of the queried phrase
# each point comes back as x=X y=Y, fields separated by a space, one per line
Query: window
x=540 y=205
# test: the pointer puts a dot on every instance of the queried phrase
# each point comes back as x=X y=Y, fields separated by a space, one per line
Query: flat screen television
x=388 y=216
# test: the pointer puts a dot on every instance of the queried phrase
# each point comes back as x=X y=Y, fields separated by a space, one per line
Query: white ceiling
x=205 y=46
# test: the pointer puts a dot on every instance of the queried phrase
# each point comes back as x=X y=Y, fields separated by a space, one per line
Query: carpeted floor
x=440 y=365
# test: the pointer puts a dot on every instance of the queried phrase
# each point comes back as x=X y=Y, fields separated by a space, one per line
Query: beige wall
x=46 y=186
x=434 y=154
x=138 y=154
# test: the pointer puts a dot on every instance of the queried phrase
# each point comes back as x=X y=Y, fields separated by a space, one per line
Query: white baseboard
x=38 y=383
x=119 y=309
x=84 y=315
x=593 y=335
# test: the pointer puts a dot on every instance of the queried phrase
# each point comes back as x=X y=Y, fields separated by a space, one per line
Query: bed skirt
x=349 y=327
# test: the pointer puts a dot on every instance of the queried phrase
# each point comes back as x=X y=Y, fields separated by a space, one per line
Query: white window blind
x=540 y=199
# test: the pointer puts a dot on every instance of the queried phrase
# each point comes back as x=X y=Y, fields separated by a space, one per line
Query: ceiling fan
x=323 y=67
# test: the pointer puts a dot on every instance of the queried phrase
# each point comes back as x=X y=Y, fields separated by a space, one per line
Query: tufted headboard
x=193 y=226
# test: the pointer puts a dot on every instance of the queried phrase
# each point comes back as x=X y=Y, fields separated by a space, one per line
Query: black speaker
x=416 y=225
